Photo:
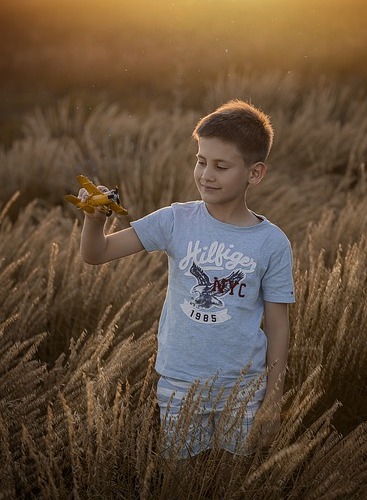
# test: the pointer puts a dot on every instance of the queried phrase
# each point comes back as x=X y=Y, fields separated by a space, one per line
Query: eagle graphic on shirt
x=207 y=293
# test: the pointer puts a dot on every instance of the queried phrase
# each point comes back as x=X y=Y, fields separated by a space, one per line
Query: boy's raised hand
x=98 y=212
x=83 y=193
x=94 y=199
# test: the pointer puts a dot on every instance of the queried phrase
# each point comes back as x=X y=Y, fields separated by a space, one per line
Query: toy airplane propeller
x=107 y=202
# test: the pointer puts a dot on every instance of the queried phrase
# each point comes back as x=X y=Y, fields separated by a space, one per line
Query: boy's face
x=220 y=174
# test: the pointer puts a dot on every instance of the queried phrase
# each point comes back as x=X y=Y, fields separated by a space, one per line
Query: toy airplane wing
x=117 y=208
x=77 y=202
x=87 y=184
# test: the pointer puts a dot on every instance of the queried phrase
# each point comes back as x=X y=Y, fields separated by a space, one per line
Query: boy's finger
x=82 y=194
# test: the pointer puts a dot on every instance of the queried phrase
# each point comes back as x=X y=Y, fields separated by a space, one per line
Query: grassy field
x=168 y=55
x=78 y=416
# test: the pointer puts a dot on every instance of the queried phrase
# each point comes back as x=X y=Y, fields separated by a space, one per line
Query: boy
x=229 y=268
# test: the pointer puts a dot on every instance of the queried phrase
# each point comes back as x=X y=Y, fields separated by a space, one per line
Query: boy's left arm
x=276 y=328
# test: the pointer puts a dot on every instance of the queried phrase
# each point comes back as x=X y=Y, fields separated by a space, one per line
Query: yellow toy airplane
x=107 y=202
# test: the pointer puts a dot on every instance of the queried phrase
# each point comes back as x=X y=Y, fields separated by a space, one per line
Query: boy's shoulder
x=174 y=208
x=272 y=227
x=187 y=205
x=187 y=209
x=275 y=235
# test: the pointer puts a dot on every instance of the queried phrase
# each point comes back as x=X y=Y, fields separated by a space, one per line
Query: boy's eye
x=220 y=167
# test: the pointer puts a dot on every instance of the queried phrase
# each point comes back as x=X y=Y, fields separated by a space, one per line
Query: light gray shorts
x=198 y=417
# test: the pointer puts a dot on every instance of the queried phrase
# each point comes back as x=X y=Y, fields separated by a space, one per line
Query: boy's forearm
x=277 y=355
x=276 y=327
x=93 y=241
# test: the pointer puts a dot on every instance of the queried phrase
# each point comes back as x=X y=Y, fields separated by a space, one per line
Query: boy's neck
x=240 y=216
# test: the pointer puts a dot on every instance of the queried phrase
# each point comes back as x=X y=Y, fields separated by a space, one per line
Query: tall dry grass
x=78 y=415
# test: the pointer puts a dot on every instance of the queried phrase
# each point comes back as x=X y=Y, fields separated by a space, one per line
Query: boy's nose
x=208 y=174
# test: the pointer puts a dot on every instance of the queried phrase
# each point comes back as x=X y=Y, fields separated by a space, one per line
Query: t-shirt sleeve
x=155 y=229
x=277 y=282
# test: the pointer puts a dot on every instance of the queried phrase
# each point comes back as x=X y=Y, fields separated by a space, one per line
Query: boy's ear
x=257 y=172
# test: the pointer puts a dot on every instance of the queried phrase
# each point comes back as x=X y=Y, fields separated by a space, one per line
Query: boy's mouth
x=205 y=187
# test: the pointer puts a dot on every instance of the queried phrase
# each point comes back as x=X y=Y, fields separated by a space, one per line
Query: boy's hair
x=241 y=124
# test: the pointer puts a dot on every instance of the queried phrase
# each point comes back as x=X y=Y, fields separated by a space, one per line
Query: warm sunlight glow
x=145 y=48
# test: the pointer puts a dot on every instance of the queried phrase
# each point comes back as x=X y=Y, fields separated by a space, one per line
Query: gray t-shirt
x=219 y=277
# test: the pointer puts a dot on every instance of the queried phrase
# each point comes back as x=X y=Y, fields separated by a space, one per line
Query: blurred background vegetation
x=167 y=53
